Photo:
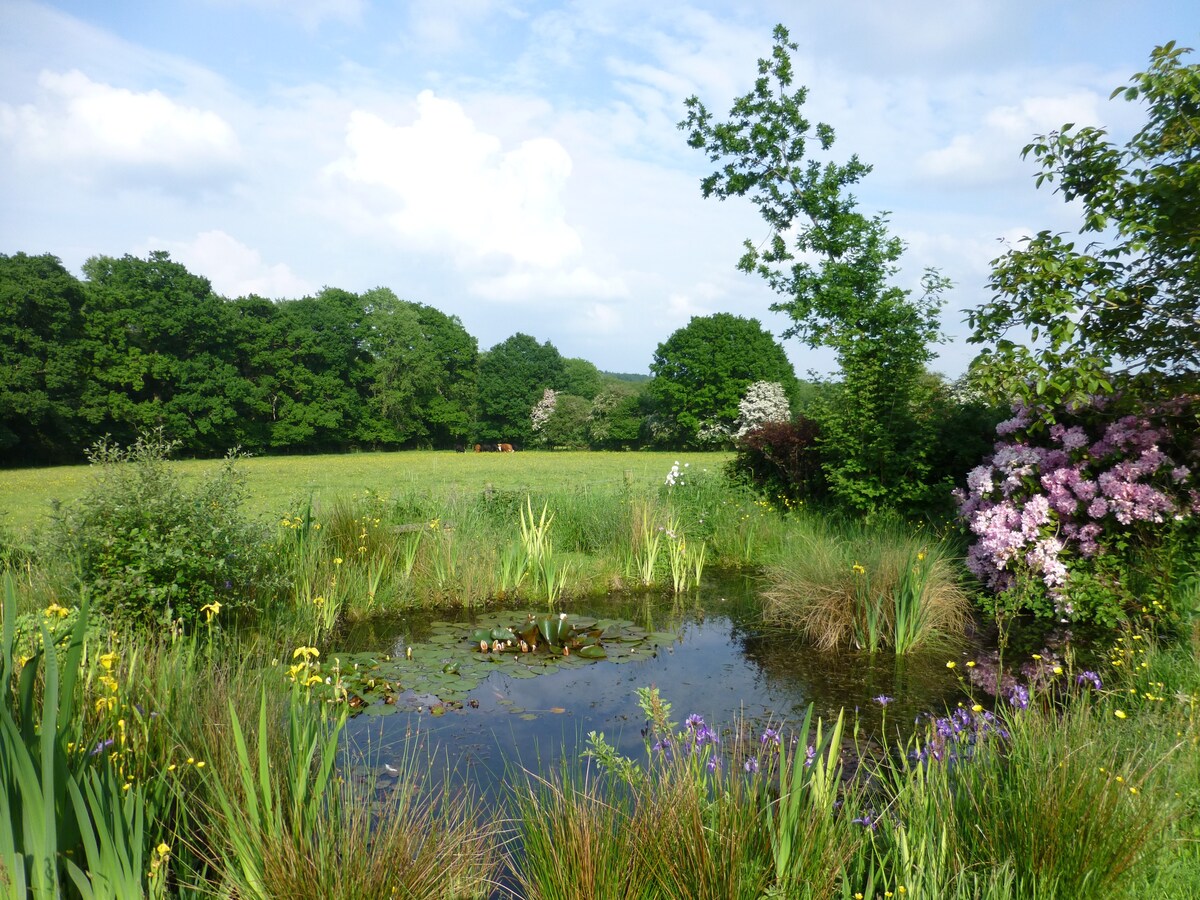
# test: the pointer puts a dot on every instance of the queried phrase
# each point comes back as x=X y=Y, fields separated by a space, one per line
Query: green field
x=281 y=484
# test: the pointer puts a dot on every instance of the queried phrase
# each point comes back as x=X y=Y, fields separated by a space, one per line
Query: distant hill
x=626 y=376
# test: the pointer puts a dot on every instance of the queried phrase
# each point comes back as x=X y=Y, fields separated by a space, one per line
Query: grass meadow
x=137 y=759
x=281 y=484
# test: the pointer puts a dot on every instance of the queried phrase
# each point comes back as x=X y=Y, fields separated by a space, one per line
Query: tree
x=423 y=380
x=582 y=378
x=324 y=376
x=1126 y=303
x=567 y=426
x=831 y=264
x=41 y=362
x=703 y=369
x=158 y=353
x=512 y=377
x=615 y=420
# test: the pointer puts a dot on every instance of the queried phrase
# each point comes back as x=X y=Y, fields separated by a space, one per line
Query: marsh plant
x=756 y=815
x=298 y=825
x=544 y=573
x=849 y=585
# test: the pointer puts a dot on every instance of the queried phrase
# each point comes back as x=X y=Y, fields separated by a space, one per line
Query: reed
x=846 y=584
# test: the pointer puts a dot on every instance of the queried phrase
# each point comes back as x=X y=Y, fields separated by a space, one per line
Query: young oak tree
x=831 y=264
x=1124 y=305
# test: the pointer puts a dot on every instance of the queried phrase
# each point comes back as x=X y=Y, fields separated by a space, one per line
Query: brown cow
x=505 y=448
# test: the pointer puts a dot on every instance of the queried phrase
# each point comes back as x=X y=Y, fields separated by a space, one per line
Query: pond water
x=707 y=654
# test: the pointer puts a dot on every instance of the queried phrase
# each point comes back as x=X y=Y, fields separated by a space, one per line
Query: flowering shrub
x=764 y=401
x=1086 y=520
x=543 y=409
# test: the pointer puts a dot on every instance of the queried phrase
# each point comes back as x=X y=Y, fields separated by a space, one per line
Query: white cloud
x=91 y=124
x=562 y=284
x=990 y=153
x=234 y=269
x=701 y=300
x=441 y=183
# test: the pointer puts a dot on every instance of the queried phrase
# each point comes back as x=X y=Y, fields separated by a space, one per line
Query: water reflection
x=723 y=665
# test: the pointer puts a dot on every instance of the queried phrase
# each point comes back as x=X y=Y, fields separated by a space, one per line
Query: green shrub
x=151 y=548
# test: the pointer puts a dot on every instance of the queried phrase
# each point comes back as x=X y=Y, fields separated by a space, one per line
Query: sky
x=518 y=164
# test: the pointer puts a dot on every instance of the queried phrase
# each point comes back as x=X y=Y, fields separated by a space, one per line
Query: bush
x=152 y=549
x=781 y=460
x=1093 y=518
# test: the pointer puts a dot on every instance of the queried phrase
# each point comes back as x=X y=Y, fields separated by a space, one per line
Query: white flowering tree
x=764 y=401
x=543 y=409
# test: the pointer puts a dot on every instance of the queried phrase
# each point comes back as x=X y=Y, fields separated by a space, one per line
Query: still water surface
x=723 y=665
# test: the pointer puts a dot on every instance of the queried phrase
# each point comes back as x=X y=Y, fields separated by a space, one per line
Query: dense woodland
x=144 y=343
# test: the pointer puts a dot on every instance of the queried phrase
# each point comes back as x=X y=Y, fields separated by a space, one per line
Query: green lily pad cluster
x=440 y=673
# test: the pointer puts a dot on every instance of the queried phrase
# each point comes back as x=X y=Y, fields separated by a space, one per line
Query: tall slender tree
x=832 y=266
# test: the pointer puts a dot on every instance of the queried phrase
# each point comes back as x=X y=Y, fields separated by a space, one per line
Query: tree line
x=140 y=344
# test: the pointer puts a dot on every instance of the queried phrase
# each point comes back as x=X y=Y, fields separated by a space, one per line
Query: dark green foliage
x=963 y=432
x=1064 y=316
x=157 y=348
x=702 y=371
x=323 y=375
x=152 y=549
x=41 y=360
x=423 y=382
x=512 y=377
x=833 y=278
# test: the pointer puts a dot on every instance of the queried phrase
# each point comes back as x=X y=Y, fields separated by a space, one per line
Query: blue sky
x=517 y=164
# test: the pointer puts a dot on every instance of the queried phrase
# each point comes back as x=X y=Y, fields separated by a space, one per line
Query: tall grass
x=767 y=816
x=847 y=584
x=293 y=827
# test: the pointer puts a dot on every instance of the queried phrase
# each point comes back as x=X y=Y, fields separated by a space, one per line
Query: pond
x=484 y=712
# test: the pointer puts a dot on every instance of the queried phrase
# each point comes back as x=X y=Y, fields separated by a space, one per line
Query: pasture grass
x=278 y=484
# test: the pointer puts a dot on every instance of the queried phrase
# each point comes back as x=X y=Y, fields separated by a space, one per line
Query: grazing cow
x=505 y=448
x=478 y=448
x=460 y=448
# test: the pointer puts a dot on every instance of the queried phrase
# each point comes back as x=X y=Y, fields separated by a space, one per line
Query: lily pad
x=440 y=672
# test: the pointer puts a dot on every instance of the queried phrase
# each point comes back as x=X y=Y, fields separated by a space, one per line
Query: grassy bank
x=139 y=760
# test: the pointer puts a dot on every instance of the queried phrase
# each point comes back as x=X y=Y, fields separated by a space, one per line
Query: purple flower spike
x=882 y=699
x=770 y=736
x=750 y=765
x=809 y=755
x=1088 y=678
